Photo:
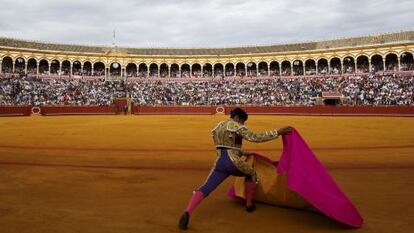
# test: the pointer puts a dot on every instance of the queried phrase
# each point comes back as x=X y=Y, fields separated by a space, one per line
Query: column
x=106 y=72
x=92 y=69
x=202 y=71
x=159 y=71
x=245 y=69
x=1 y=63
x=383 y=61
x=316 y=67
x=355 y=66
x=257 y=70
x=60 y=68
x=169 y=71
x=268 y=69
x=50 y=65
x=71 y=70
x=137 y=69
x=369 y=65
x=291 y=69
x=303 y=64
x=13 y=66
x=179 y=71
x=329 y=66
x=399 y=63
x=342 y=67
x=37 y=69
x=148 y=71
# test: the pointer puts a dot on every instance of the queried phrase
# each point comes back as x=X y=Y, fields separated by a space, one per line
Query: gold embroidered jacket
x=229 y=134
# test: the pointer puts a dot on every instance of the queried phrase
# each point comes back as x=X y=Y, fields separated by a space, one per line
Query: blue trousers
x=222 y=169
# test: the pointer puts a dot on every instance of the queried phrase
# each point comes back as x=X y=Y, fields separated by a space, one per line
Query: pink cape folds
x=301 y=173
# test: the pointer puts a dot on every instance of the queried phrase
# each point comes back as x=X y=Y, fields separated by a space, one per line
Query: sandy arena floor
x=121 y=174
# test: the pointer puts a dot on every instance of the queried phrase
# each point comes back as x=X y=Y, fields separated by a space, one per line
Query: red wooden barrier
x=78 y=110
x=330 y=110
x=15 y=110
x=282 y=110
x=209 y=110
x=179 y=110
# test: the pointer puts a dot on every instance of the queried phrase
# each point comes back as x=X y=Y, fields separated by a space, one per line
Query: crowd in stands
x=303 y=91
x=357 y=90
x=38 y=92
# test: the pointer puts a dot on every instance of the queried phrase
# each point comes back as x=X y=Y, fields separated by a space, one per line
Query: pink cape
x=307 y=177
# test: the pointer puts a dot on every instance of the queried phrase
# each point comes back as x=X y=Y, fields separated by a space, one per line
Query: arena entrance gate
x=122 y=105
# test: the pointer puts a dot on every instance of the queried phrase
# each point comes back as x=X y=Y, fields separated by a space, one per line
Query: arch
x=286 y=68
x=19 y=65
x=406 y=61
x=196 y=70
x=391 y=62
x=251 y=69
x=115 y=69
x=240 y=69
x=44 y=67
x=54 y=67
x=310 y=67
x=229 y=69
x=7 y=65
x=218 y=70
x=175 y=70
x=274 y=68
x=77 y=68
x=263 y=69
x=98 y=69
x=87 y=68
x=153 y=70
x=65 y=67
x=377 y=62
x=297 y=67
x=131 y=70
x=386 y=54
x=142 y=70
x=185 y=71
x=335 y=65
x=164 y=70
x=207 y=70
x=323 y=67
x=362 y=64
x=349 y=64
x=407 y=52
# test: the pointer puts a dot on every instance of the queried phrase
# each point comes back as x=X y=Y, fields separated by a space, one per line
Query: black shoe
x=250 y=208
x=183 y=223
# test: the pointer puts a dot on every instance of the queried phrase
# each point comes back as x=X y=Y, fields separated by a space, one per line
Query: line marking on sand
x=182 y=168
x=55 y=165
x=68 y=148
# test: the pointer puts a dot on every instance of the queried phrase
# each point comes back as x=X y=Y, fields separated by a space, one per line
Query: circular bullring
x=387 y=53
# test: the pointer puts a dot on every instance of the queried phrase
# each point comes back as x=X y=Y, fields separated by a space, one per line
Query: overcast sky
x=200 y=23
